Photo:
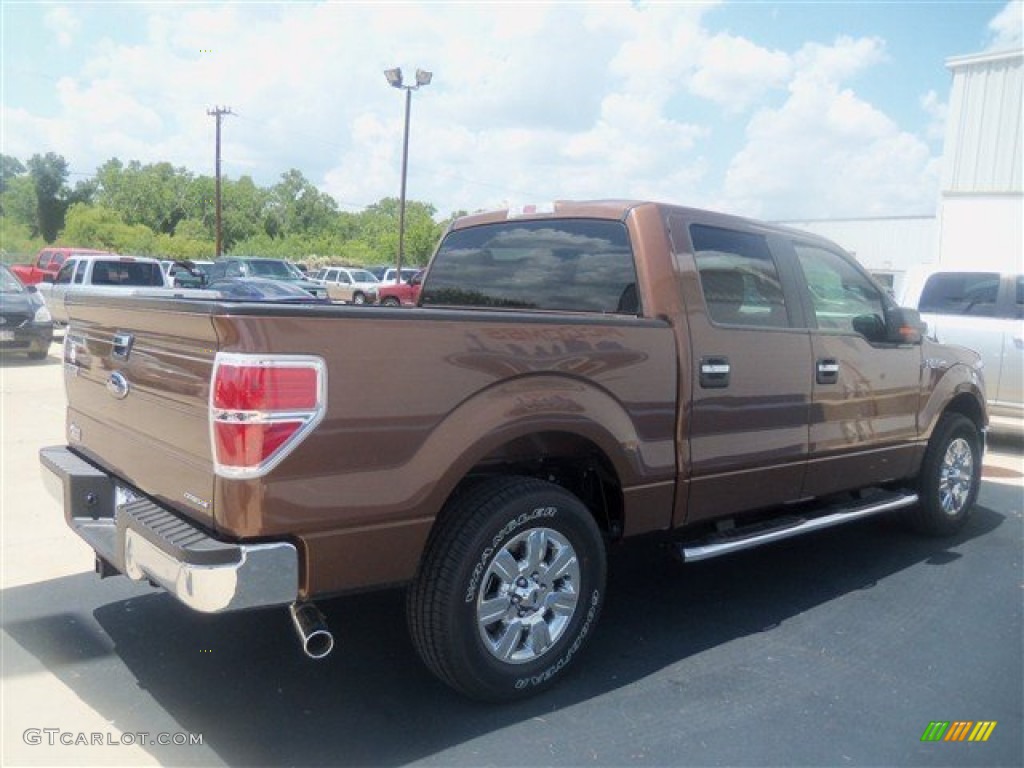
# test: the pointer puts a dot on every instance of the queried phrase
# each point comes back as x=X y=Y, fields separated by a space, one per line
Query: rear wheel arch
x=566 y=459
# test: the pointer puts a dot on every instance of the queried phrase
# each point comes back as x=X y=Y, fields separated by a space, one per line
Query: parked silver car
x=982 y=310
x=349 y=284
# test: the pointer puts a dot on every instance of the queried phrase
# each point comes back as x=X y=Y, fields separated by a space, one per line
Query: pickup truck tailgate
x=138 y=399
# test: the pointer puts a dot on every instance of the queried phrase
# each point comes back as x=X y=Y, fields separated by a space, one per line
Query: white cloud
x=1007 y=27
x=63 y=24
x=519 y=108
x=735 y=73
x=830 y=149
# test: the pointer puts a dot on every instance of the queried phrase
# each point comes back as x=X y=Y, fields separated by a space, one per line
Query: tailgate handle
x=122 y=345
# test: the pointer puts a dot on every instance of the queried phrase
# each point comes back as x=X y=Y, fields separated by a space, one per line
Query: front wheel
x=950 y=477
x=359 y=298
x=509 y=589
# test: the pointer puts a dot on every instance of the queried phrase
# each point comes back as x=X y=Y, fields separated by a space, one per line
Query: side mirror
x=871 y=327
x=904 y=326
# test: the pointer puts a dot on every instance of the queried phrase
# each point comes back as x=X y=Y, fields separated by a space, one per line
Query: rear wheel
x=390 y=301
x=509 y=589
x=950 y=477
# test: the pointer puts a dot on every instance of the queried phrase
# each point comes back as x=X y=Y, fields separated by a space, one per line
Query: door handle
x=714 y=372
x=827 y=371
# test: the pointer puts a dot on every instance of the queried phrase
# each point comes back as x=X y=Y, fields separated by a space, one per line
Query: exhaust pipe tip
x=311 y=626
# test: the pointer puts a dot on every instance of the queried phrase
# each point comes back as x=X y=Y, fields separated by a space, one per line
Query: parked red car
x=47 y=264
x=405 y=294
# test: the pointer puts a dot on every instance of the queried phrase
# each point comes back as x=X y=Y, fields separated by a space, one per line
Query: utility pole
x=219 y=112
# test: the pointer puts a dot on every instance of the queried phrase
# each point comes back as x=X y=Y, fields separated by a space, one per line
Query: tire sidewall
x=935 y=519
x=554 y=509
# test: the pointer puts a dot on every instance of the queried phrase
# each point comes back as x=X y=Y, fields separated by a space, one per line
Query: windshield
x=8 y=282
x=266 y=290
x=362 y=276
x=276 y=269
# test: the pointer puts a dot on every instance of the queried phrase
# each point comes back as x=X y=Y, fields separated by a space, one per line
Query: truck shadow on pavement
x=242 y=681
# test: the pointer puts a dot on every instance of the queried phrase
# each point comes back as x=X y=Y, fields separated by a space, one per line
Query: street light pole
x=394 y=78
x=401 y=200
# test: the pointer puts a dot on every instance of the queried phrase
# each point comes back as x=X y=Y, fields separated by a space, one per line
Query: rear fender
x=543 y=404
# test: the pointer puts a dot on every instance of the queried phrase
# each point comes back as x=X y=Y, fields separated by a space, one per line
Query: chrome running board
x=747 y=537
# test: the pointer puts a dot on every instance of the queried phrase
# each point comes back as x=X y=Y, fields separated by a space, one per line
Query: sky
x=777 y=110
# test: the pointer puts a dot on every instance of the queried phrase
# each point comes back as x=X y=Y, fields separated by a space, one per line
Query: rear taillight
x=261 y=408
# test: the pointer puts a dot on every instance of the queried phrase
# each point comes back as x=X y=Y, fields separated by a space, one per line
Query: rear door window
x=738 y=277
x=577 y=265
x=961 y=293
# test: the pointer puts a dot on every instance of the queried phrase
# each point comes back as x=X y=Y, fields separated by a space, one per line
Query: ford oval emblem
x=117 y=385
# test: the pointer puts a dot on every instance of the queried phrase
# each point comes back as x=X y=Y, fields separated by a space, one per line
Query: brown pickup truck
x=575 y=374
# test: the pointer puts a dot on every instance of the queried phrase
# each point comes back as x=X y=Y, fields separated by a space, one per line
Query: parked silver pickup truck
x=106 y=273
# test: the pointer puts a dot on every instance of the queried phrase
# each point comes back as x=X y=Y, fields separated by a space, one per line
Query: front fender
x=946 y=382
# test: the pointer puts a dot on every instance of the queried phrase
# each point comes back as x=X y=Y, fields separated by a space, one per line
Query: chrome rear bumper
x=146 y=541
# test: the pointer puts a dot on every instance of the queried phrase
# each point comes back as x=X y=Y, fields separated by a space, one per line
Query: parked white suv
x=982 y=310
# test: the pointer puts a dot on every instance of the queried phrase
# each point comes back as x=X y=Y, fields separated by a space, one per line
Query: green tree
x=157 y=195
x=16 y=241
x=49 y=173
x=378 y=229
x=10 y=167
x=298 y=207
x=18 y=204
x=99 y=227
x=244 y=210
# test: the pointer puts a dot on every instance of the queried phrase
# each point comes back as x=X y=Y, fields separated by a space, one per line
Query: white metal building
x=980 y=219
x=981 y=204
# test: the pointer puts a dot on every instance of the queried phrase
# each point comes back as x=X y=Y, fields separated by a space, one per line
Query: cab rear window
x=576 y=265
x=127 y=273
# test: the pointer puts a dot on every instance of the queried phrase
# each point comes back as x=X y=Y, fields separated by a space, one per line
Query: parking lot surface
x=839 y=648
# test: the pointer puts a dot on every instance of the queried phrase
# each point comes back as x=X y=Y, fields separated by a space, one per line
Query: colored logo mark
x=959 y=730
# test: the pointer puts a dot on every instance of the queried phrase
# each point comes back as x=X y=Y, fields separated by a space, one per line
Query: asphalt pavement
x=835 y=649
